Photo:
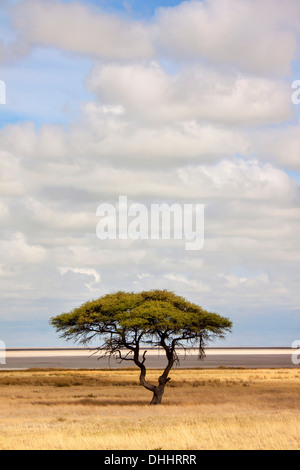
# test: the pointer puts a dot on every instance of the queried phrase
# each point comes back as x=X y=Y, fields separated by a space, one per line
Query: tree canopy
x=127 y=323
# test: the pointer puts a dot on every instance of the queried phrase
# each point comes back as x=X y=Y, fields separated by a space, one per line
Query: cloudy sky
x=161 y=101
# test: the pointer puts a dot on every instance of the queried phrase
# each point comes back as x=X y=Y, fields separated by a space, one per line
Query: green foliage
x=126 y=319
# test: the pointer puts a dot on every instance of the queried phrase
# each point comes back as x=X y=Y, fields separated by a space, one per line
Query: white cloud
x=17 y=250
x=192 y=106
x=280 y=145
x=18 y=138
x=2 y=51
x=98 y=136
x=234 y=281
x=11 y=181
x=190 y=284
x=81 y=29
x=86 y=272
x=239 y=180
x=143 y=275
x=56 y=219
x=198 y=92
x=259 y=36
x=3 y=210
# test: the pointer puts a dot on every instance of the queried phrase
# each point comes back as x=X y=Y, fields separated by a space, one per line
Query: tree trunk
x=157 y=395
x=159 y=391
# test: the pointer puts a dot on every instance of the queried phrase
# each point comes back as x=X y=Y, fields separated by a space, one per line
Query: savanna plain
x=108 y=409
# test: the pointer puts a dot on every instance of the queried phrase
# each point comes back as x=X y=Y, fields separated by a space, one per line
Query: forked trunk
x=157 y=395
x=158 y=390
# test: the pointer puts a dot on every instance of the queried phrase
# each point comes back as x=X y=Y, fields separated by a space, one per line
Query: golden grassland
x=108 y=409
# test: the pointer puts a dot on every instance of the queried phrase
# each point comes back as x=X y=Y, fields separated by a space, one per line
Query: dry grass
x=203 y=409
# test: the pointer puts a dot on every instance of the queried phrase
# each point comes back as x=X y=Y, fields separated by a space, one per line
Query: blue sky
x=187 y=104
x=48 y=86
x=135 y=8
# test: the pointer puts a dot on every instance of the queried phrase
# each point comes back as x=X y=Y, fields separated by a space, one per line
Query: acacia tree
x=128 y=323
